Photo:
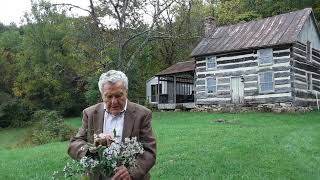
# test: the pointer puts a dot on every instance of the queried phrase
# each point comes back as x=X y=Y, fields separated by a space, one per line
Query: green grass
x=9 y=138
x=73 y=122
x=194 y=146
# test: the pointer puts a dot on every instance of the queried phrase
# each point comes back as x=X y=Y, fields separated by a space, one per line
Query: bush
x=13 y=111
x=48 y=127
x=92 y=94
x=152 y=107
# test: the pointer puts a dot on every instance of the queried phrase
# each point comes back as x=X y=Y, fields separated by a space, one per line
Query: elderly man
x=117 y=114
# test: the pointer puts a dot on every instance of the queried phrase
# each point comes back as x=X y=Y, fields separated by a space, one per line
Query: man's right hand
x=103 y=139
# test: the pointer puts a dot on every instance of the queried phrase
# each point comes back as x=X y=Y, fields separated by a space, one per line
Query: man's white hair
x=112 y=76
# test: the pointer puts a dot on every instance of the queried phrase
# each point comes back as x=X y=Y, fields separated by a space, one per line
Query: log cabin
x=275 y=60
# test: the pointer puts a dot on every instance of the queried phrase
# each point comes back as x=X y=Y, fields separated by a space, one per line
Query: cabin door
x=237 y=90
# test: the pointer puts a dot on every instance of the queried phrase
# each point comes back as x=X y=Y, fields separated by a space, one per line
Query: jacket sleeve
x=78 y=144
x=146 y=160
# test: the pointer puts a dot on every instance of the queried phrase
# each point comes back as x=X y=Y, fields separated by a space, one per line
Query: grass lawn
x=194 y=146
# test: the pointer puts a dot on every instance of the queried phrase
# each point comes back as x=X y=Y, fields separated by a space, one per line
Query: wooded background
x=54 y=60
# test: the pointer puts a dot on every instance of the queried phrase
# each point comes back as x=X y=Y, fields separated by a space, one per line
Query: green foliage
x=13 y=112
x=10 y=40
x=274 y=7
x=92 y=94
x=231 y=12
x=119 y=153
x=49 y=127
x=50 y=75
x=152 y=107
x=73 y=168
x=234 y=11
x=10 y=46
x=316 y=10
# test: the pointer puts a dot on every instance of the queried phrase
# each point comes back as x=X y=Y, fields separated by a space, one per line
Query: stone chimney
x=209 y=25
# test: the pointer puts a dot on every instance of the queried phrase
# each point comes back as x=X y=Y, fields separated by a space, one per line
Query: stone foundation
x=277 y=108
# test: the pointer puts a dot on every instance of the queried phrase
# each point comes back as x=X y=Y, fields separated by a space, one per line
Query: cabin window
x=265 y=56
x=211 y=85
x=211 y=62
x=309 y=81
x=309 y=51
x=266 y=81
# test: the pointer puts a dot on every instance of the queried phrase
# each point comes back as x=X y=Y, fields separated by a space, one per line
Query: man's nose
x=113 y=100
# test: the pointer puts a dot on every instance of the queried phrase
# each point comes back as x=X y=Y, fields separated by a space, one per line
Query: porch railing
x=164 y=99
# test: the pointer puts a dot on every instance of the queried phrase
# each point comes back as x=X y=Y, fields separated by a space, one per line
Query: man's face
x=114 y=96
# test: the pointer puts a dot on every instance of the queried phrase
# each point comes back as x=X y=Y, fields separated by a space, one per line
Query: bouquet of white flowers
x=104 y=159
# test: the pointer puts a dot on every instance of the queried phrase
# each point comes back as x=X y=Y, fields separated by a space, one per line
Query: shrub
x=152 y=107
x=92 y=93
x=13 y=111
x=49 y=126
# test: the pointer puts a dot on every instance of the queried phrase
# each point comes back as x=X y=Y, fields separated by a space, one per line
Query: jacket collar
x=124 y=109
x=129 y=118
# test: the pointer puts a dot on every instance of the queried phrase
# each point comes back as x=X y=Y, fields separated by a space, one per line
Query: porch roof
x=180 y=67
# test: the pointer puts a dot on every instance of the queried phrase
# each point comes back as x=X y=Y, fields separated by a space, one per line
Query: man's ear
x=102 y=96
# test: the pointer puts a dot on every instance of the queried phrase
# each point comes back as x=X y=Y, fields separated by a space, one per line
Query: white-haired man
x=117 y=114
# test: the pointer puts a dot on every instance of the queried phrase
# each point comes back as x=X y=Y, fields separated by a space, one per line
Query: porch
x=175 y=87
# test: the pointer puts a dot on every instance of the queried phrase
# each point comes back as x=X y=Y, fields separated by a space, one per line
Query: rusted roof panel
x=276 y=30
x=180 y=67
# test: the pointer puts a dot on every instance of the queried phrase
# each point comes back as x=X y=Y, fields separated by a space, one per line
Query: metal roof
x=276 y=30
x=180 y=67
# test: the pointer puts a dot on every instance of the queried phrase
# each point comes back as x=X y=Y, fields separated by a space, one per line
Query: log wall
x=246 y=65
x=301 y=68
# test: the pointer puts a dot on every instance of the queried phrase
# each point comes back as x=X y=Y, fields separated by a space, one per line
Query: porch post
x=174 y=89
x=158 y=90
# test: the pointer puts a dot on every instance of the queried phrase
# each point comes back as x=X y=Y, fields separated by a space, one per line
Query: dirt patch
x=225 y=121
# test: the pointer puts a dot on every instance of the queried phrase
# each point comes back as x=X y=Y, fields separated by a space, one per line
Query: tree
x=10 y=46
x=50 y=72
x=130 y=34
x=180 y=28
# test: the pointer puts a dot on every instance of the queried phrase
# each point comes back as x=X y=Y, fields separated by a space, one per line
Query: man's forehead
x=118 y=84
x=120 y=92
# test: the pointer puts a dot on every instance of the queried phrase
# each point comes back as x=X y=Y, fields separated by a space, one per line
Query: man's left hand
x=122 y=174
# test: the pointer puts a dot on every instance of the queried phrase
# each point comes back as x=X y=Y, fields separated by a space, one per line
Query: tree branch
x=95 y=18
x=72 y=5
x=115 y=6
x=134 y=36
